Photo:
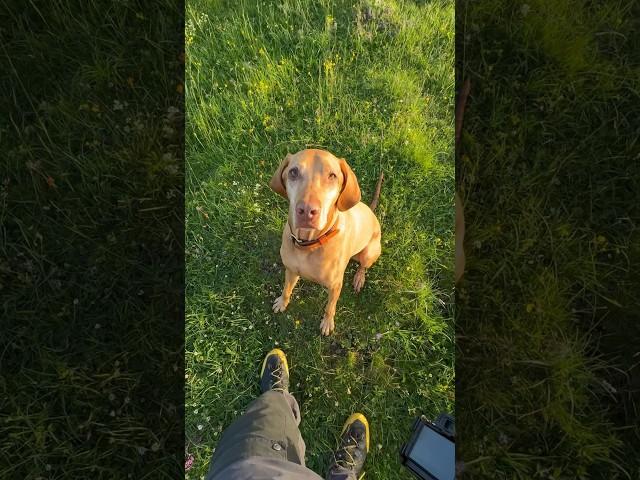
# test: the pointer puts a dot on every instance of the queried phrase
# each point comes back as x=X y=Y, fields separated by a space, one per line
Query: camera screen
x=435 y=453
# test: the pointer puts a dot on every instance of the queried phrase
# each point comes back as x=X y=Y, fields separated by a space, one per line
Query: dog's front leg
x=327 y=325
x=290 y=280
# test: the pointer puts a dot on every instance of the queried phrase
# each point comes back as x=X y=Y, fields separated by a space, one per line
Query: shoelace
x=350 y=446
x=277 y=379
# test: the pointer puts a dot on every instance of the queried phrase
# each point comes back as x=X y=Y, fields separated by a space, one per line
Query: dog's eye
x=293 y=173
x=332 y=176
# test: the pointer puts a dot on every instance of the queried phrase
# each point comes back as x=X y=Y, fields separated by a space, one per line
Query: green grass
x=267 y=78
x=547 y=316
x=90 y=245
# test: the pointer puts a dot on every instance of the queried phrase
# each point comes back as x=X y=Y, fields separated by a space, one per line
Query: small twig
x=376 y=195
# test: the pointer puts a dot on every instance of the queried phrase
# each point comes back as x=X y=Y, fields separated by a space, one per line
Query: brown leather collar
x=316 y=242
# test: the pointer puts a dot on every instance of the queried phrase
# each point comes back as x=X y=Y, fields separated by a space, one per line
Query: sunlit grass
x=270 y=78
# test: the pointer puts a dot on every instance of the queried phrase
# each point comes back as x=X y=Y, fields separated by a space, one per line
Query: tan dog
x=326 y=227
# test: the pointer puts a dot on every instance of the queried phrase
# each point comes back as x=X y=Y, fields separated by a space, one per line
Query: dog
x=327 y=226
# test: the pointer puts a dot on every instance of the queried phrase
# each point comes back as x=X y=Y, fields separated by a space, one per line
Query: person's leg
x=349 y=458
x=269 y=427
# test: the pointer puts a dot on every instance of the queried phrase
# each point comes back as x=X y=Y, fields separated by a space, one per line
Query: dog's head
x=316 y=184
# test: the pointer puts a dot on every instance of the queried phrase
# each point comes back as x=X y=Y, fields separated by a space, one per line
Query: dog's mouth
x=307 y=224
x=304 y=229
x=311 y=228
x=306 y=233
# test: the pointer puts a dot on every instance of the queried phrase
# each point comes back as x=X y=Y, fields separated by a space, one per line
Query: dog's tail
x=376 y=194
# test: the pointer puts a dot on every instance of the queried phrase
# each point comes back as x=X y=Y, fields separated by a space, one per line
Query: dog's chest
x=314 y=265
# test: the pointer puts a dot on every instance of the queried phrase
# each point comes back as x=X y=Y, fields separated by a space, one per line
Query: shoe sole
x=281 y=355
x=352 y=418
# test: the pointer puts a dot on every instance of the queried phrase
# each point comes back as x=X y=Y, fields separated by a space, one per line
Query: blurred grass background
x=91 y=250
x=369 y=81
x=548 y=338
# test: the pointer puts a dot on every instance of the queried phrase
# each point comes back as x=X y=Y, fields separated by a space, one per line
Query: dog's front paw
x=280 y=305
x=327 y=325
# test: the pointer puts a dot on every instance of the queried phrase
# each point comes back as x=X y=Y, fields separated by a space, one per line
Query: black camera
x=430 y=453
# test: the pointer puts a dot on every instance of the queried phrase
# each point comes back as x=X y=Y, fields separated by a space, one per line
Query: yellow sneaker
x=275 y=372
x=349 y=458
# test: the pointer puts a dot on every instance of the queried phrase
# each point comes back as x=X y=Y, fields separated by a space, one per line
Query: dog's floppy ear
x=350 y=194
x=277 y=182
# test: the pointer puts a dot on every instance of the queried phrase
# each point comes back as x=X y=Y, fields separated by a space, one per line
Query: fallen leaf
x=204 y=214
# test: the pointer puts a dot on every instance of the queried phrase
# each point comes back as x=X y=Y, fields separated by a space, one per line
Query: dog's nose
x=307 y=210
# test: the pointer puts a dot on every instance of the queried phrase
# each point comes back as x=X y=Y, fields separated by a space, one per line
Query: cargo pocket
x=246 y=447
x=259 y=446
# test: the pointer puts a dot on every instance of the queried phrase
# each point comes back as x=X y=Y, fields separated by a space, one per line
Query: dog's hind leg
x=366 y=258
